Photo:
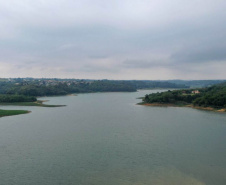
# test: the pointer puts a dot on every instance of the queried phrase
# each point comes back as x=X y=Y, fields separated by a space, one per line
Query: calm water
x=105 y=139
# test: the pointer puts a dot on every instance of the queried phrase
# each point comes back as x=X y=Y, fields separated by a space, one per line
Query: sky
x=113 y=39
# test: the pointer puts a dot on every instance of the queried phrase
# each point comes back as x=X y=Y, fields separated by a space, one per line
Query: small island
x=211 y=98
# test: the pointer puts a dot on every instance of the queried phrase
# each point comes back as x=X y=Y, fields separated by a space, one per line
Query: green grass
x=12 y=112
x=17 y=112
x=37 y=103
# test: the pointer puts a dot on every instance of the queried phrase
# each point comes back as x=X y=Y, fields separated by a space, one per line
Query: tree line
x=34 y=88
x=16 y=98
x=214 y=96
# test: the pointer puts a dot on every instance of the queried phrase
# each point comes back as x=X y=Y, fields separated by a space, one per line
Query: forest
x=58 y=87
x=16 y=98
x=214 y=96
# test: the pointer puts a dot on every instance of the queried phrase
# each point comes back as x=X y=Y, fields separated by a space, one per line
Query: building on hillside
x=195 y=92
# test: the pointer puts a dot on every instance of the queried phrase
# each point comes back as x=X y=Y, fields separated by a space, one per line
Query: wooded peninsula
x=209 y=98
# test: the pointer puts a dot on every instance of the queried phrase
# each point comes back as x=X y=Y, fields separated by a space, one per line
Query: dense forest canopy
x=214 y=96
x=16 y=98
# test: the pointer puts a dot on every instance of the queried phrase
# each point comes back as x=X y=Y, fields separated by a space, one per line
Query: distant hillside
x=47 y=87
x=145 y=84
x=197 y=83
x=214 y=96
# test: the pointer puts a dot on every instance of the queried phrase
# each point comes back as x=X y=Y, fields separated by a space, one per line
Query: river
x=106 y=139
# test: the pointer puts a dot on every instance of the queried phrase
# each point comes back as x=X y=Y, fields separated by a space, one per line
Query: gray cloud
x=114 y=39
x=143 y=64
x=201 y=56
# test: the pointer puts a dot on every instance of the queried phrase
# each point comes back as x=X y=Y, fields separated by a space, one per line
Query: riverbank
x=39 y=103
x=4 y=113
x=184 y=105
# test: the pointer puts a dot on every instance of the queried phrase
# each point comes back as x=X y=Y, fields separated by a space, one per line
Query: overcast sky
x=113 y=39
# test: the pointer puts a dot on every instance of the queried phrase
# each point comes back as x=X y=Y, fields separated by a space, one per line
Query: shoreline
x=39 y=103
x=5 y=113
x=221 y=110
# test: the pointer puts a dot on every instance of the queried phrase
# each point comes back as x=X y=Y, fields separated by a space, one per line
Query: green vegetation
x=102 y=86
x=197 y=83
x=49 y=87
x=36 y=103
x=214 y=96
x=16 y=98
x=175 y=96
x=23 y=91
x=12 y=112
x=19 y=100
x=147 y=84
x=16 y=112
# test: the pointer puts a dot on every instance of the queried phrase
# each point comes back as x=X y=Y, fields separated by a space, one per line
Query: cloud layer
x=113 y=39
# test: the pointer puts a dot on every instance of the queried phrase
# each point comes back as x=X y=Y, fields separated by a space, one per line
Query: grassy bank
x=36 y=103
x=17 y=112
x=12 y=112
